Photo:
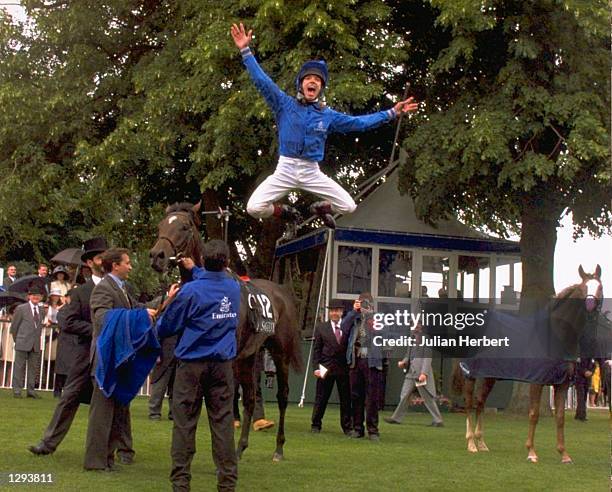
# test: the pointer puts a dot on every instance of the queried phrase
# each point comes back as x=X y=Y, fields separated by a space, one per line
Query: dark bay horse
x=569 y=312
x=178 y=234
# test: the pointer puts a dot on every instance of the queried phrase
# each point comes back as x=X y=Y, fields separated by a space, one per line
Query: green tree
x=517 y=122
x=125 y=106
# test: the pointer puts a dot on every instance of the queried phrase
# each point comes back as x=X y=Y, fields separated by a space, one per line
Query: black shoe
x=34 y=395
x=328 y=221
x=391 y=420
x=355 y=435
x=40 y=449
x=154 y=417
x=324 y=211
x=315 y=430
x=436 y=424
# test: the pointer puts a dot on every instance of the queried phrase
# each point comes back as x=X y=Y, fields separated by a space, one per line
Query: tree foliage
x=126 y=106
x=517 y=124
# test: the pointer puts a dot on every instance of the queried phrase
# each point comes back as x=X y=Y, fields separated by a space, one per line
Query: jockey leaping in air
x=303 y=125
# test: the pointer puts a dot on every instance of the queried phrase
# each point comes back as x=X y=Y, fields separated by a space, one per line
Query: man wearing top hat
x=75 y=319
x=26 y=329
x=330 y=366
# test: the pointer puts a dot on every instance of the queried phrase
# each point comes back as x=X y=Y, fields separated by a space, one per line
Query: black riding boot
x=323 y=209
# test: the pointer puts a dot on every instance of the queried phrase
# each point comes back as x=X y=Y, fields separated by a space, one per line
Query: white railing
x=48 y=351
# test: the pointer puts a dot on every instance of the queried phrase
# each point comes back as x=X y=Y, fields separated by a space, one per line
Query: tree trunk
x=261 y=264
x=210 y=202
x=540 y=219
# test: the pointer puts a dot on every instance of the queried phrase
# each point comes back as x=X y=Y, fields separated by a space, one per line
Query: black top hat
x=93 y=247
x=335 y=304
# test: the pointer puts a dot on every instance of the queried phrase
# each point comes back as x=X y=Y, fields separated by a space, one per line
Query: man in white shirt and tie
x=26 y=328
x=330 y=366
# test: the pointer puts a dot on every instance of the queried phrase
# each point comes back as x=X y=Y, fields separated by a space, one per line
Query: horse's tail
x=458 y=379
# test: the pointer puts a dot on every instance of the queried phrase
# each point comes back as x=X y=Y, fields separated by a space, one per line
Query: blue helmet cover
x=312 y=67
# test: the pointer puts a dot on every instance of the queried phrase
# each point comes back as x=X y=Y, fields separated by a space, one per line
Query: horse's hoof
x=472 y=449
x=483 y=447
x=532 y=459
x=567 y=461
x=276 y=457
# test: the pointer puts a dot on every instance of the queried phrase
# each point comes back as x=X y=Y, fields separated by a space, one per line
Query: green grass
x=410 y=456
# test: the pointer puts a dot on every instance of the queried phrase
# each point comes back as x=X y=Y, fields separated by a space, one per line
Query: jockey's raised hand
x=241 y=37
x=409 y=105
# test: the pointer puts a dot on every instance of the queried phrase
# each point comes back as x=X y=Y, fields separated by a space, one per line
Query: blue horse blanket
x=127 y=351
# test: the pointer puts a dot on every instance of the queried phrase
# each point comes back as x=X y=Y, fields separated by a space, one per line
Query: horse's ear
x=583 y=275
x=168 y=209
x=196 y=208
x=598 y=272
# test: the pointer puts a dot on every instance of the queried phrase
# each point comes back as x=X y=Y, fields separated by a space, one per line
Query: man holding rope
x=303 y=125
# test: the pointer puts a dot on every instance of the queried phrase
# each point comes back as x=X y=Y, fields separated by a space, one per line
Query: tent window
x=354 y=270
x=394 y=273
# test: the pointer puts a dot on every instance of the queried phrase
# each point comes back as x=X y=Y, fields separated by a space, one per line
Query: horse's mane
x=180 y=207
x=567 y=292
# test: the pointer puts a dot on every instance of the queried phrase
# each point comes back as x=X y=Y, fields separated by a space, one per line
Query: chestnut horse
x=569 y=312
x=178 y=235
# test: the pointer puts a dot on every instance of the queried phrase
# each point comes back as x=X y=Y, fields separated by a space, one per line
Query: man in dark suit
x=108 y=419
x=75 y=319
x=11 y=276
x=329 y=362
x=26 y=329
x=43 y=274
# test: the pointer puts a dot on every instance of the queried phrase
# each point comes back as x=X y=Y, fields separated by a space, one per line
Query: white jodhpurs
x=298 y=174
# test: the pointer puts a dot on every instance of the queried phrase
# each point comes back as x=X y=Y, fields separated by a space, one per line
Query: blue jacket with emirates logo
x=303 y=128
x=205 y=313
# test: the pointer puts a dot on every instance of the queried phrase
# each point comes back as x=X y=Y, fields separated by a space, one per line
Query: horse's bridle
x=180 y=252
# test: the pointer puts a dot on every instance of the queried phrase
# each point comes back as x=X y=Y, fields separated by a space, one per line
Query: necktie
x=337 y=332
x=36 y=315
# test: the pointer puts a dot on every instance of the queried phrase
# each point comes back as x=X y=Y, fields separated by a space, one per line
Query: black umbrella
x=8 y=298
x=69 y=256
x=23 y=284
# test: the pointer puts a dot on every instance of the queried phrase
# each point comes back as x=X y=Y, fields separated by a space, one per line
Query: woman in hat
x=55 y=302
x=60 y=281
x=303 y=125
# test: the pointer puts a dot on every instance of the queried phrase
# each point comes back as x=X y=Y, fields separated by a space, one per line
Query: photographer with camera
x=365 y=361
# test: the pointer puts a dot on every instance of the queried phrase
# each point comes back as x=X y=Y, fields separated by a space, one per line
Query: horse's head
x=591 y=287
x=178 y=235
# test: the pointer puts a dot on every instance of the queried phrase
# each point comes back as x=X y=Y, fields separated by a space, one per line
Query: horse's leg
x=560 y=392
x=244 y=369
x=487 y=386
x=282 y=396
x=468 y=395
x=535 y=395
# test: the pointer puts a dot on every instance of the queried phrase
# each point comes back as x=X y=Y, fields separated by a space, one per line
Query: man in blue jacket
x=205 y=315
x=303 y=125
